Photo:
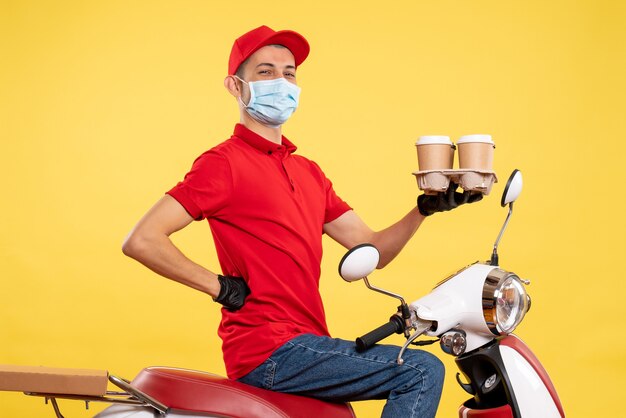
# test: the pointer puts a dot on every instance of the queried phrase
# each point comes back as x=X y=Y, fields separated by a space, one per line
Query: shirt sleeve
x=335 y=206
x=206 y=188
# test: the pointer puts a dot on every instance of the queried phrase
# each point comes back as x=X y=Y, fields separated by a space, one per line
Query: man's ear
x=231 y=84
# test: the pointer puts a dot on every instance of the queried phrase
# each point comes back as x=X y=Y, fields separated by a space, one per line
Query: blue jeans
x=331 y=369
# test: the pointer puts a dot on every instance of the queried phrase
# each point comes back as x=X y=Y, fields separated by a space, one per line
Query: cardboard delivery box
x=53 y=380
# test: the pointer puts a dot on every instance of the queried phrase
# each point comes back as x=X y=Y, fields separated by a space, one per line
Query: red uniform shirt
x=266 y=208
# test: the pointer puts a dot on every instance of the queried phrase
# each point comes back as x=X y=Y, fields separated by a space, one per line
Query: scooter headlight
x=505 y=301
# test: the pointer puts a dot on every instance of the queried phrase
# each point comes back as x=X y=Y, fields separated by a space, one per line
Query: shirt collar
x=257 y=141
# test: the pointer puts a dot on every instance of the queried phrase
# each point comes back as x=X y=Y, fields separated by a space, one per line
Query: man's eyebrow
x=269 y=64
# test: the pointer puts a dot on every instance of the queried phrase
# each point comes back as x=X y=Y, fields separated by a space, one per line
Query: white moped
x=473 y=314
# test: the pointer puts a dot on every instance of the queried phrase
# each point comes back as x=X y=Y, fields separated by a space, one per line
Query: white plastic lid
x=475 y=138
x=434 y=139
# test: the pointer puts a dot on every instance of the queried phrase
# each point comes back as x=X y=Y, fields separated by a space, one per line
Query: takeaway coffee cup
x=435 y=152
x=476 y=152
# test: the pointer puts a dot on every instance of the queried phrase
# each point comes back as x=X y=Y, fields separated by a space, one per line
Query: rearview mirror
x=359 y=262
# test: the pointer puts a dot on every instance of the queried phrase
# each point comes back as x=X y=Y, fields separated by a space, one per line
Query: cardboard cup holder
x=436 y=181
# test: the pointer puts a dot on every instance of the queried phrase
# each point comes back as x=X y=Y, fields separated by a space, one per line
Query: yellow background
x=105 y=104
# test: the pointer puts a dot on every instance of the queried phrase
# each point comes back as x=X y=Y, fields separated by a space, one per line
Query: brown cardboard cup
x=435 y=152
x=476 y=152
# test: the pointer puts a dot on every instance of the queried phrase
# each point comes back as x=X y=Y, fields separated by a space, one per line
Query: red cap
x=257 y=38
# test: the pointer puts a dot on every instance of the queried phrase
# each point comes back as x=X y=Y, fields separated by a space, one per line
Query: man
x=268 y=208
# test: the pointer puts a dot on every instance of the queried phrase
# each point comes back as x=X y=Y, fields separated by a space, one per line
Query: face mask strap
x=240 y=79
x=239 y=98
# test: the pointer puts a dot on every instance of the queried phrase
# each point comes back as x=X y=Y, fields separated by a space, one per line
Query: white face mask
x=272 y=102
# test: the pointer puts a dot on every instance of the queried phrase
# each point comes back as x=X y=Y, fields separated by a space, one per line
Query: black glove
x=444 y=201
x=233 y=292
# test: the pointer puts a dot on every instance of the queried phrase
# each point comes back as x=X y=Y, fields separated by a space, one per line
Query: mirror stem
x=495 y=260
x=494 y=256
x=383 y=291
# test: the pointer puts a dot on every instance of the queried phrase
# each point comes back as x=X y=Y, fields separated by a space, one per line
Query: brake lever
x=421 y=326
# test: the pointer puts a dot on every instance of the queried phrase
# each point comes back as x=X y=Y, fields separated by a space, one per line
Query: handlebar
x=394 y=326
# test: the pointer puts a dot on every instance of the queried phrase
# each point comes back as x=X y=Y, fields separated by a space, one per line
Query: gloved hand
x=444 y=201
x=233 y=292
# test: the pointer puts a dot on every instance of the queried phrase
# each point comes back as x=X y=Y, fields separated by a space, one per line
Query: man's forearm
x=390 y=241
x=160 y=255
x=350 y=230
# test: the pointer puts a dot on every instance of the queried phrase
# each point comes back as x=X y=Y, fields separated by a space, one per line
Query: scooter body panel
x=506 y=373
x=533 y=388
x=457 y=303
x=132 y=411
